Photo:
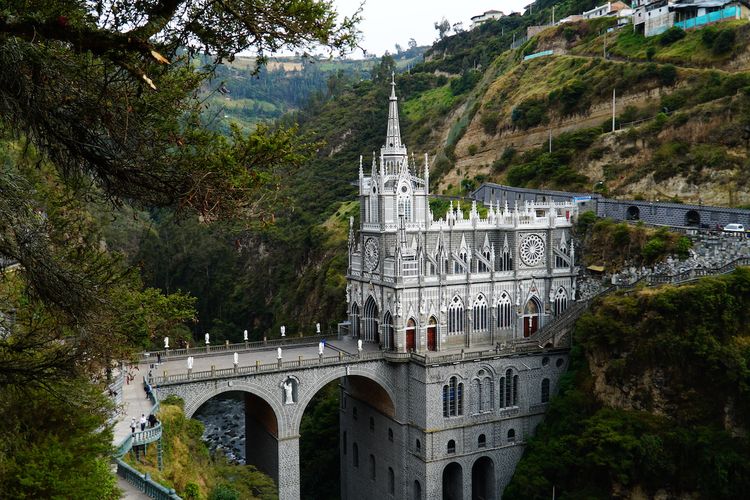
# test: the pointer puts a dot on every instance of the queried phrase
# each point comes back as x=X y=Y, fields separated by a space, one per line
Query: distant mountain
x=243 y=94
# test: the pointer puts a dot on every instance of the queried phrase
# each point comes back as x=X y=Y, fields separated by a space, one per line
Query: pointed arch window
x=371 y=321
x=355 y=320
x=404 y=203
x=545 y=390
x=509 y=389
x=460 y=264
x=482 y=441
x=456 y=316
x=488 y=395
x=504 y=311
x=505 y=263
x=373 y=206
x=479 y=314
x=453 y=398
x=481 y=266
x=563 y=249
x=561 y=301
x=476 y=396
x=451 y=448
x=389 y=330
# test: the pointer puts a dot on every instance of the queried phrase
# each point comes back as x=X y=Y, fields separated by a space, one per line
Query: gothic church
x=476 y=279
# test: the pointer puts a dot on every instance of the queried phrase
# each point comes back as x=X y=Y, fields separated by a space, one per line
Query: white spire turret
x=393 y=148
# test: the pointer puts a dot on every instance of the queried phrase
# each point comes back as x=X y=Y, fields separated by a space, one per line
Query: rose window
x=532 y=250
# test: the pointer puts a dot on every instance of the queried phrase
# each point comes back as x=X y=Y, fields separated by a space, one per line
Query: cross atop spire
x=393 y=147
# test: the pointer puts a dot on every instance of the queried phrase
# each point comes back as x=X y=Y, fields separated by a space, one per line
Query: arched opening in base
x=693 y=218
x=453 y=482
x=342 y=435
x=483 y=479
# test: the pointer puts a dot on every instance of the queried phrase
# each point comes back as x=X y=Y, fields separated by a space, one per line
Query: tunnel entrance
x=692 y=218
x=633 y=213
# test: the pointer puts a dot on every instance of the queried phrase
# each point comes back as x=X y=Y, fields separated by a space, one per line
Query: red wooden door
x=530 y=325
x=432 y=338
x=411 y=341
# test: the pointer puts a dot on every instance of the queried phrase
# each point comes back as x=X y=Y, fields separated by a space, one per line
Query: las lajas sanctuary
x=442 y=289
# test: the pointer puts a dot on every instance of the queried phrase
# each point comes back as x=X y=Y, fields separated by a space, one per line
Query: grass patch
x=433 y=102
x=191 y=470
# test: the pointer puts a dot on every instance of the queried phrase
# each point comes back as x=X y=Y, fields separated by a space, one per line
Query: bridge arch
x=392 y=409
x=273 y=401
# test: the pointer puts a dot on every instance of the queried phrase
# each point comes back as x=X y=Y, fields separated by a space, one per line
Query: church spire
x=393 y=146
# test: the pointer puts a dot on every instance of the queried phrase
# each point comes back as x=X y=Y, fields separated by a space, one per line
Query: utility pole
x=605 y=44
x=613 y=110
x=553 y=15
x=550 y=140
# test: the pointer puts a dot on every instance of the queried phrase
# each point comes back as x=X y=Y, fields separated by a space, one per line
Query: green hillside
x=656 y=402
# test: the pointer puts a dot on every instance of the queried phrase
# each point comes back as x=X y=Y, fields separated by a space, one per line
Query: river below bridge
x=223 y=418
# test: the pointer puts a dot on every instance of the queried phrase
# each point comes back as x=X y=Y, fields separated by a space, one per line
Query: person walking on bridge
x=143 y=421
x=132 y=425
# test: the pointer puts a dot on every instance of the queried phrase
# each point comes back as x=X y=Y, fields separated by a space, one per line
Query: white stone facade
x=419 y=284
x=455 y=284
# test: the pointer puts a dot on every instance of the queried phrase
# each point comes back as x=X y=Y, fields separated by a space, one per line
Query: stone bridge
x=277 y=392
x=658 y=213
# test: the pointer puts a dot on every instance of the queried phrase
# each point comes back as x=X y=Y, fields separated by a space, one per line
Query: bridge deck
x=225 y=359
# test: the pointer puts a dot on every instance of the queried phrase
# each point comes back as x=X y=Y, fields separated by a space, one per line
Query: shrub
x=672 y=35
x=472 y=149
x=529 y=113
x=489 y=122
x=708 y=36
x=668 y=75
x=468 y=185
x=650 y=52
x=173 y=400
x=465 y=82
x=682 y=249
x=724 y=42
x=653 y=249
x=571 y=97
x=192 y=491
x=224 y=492
x=501 y=163
x=673 y=101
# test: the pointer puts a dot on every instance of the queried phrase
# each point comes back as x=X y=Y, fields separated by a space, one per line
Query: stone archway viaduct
x=282 y=419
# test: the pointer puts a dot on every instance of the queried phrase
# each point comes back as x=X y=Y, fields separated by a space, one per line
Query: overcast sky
x=388 y=22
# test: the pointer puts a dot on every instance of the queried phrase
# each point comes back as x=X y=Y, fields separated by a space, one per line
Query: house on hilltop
x=609 y=9
x=489 y=15
x=653 y=17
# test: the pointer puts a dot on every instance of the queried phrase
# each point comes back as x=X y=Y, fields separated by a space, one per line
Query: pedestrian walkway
x=130 y=492
x=134 y=403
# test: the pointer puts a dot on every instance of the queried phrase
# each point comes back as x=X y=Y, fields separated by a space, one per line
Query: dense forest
x=655 y=402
